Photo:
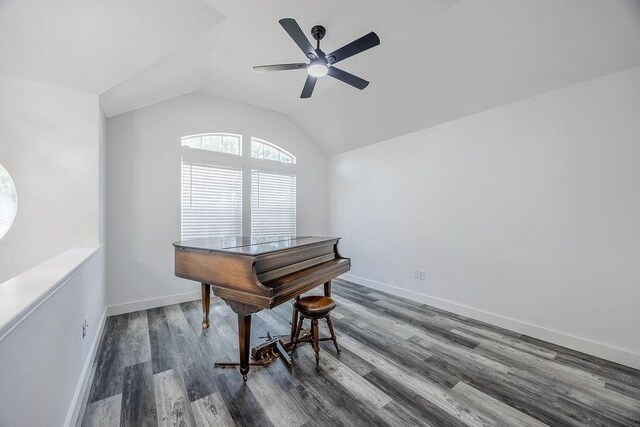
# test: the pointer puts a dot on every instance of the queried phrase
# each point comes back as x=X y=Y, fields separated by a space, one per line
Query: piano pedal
x=273 y=348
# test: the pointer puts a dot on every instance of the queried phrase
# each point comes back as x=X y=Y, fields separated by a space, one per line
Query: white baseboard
x=584 y=345
x=146 y=304
x=81 y=388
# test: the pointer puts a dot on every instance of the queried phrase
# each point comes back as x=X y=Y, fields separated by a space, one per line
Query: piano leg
x=244 y=338
x=206 y=300
x=294 y=323
x=327 y=289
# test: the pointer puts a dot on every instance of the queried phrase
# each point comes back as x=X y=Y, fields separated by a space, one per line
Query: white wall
x=527 y=215
x=49 y=145
x=52 y=143
x=43 y=358
x=143 y=186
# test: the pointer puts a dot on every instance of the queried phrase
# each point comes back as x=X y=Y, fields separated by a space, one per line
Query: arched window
x=219 y=142
x=265 y=150
x=8 y=201
x=250 y=193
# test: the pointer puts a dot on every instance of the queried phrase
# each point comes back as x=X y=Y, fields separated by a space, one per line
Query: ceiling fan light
x=318 y=70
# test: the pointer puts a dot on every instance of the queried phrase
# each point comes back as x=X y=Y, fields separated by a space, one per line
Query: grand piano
x=255 y=273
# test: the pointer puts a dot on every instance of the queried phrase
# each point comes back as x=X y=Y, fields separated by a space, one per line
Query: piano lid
x=250 y=245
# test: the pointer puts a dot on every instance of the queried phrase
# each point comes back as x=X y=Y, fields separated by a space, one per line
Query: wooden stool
x=314 y=307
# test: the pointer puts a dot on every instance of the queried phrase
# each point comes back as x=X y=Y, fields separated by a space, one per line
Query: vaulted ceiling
x=439 y=60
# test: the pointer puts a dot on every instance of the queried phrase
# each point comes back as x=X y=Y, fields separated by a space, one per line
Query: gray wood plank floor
x=402 y=364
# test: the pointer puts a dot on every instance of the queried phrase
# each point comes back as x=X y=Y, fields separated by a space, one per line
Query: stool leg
x=297 y=335
x=316 y=336
x=333 y=334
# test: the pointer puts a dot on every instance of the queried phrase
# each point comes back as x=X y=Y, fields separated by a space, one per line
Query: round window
x=8 y=201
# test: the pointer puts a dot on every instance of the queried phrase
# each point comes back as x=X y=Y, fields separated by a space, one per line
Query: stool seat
x=314 y=305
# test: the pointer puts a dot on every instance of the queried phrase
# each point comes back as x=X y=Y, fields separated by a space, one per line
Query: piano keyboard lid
x=251 y=245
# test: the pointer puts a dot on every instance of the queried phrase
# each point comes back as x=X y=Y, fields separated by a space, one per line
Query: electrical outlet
x=85 y=325
x=415 y=274
x=421 y=274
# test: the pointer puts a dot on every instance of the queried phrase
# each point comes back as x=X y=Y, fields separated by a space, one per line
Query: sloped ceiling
x=439 y=59
x=253 y=36
x=221 y=63
x=174 y=75
x=93 y=45
x=475 y=56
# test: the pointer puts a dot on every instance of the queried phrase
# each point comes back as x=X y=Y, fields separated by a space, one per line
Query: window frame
x=12 y=192
x=243 y=161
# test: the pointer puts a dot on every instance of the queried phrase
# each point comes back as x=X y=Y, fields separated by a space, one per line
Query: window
x=8 y=201
x=265 y=150
x=211 y=201
x=236 y=187
x=273 y=204
x=219 y=142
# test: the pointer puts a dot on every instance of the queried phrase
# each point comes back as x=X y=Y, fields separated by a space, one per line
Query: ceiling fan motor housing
x=318 y=32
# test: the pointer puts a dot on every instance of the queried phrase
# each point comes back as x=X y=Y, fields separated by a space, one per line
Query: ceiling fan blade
x=348 y=78
x=363 y=43
x=307 y=90
x=293 y=29
x=279 y=67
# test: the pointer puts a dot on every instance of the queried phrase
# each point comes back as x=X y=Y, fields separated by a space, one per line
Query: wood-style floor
x=402 y=363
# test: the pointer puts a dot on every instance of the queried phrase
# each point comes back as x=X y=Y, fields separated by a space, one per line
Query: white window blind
x=211 y=200
x=273 y=204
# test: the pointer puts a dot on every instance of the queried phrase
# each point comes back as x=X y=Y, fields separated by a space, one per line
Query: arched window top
x=261 y=149
x=228 y=143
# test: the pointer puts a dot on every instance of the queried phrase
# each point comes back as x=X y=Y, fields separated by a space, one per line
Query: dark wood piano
x=254 y=273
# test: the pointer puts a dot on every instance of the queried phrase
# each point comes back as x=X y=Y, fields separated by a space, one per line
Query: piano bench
x=313 y=307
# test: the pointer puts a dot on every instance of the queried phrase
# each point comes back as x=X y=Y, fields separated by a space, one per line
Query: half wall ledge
x=24 y=293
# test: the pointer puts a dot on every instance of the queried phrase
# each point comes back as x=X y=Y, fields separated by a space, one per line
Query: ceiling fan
x=321 y=64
